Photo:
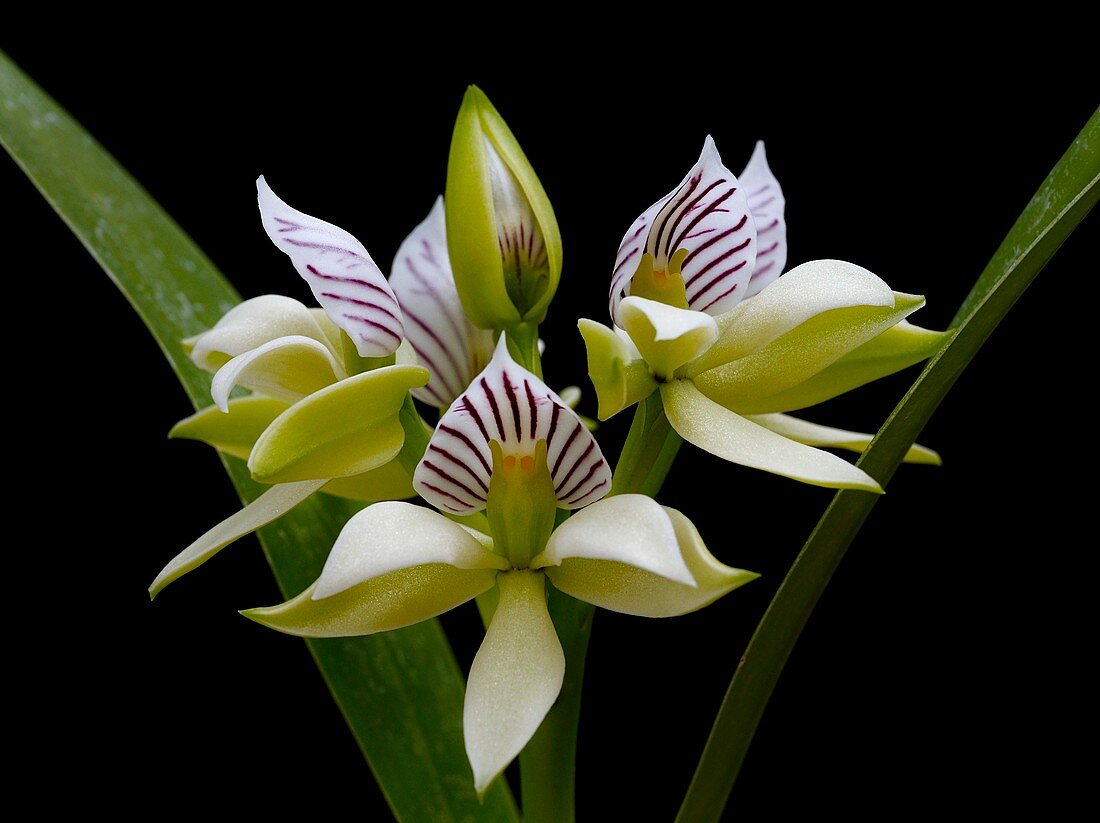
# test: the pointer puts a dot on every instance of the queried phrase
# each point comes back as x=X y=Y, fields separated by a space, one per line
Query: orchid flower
x=701 y=314
x=330 y=384
x=510 y=447
x=502 y=234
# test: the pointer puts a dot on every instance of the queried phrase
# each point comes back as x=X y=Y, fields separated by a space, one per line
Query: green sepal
x=347 y=428
x=233 y=432
x=389 y=481
x=619 y=376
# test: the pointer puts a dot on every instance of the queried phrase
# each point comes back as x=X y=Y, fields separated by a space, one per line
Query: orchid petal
x=707 y=217
x=893 y=350
x=666 y=336
x=711 y=427
x=339 y=272
x=616 y=368
x=813 y=434
x=512 y=406
x=288 y=368
x=390 y=481
x=620 y=585
x=272 y=504
x=346 y=428
x=804 y=292
x=515 y=678
x=626 y=528
x=767 y=204
x=391 y=601
x=747 y=385
x=451 y=347
x=249 y=325
x=386 y=537
x=234 y=430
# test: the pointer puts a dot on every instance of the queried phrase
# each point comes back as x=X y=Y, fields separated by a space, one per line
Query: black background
x=944 y=665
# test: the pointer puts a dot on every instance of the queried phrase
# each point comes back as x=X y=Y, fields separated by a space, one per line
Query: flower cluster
x=520 y=493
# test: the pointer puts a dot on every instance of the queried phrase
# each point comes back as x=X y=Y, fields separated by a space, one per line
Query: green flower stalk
x=702 y=316
x=511 y=448
x=502 y=235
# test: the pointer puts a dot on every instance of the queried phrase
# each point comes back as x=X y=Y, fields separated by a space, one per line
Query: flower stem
x=523 y=345
x=548 y=763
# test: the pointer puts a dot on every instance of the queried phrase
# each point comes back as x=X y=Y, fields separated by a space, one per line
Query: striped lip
x=767 y=204
x=708 y=221
x=512 y=406
x=451 y=347
x=340 y=273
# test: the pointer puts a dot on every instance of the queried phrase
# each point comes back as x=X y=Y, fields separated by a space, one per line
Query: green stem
x=1065 y=197
x=548 y=763
x=523 y=345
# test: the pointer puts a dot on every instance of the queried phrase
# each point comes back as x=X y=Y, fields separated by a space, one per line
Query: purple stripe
x=704 y=246
x=553 y=424
x=626 y=259
x=470 y=443
x=514 y=403
x=760 y=206
x=365 y=303
x=446 y=455
x=687 y=210
x=769 y=265
x=760 y=191
x=576 y=463
x=458 y=372
x=375 y=324
x=768 y=250
x=715 y=281
x=774 y=223
x=431 y=291
x=670 y=207
x=436 y=371
x=458 y=500
x=726 y=293
x=580 y=495
x=711 y=207
x=431 y=390
x=534 y=406
x=631 y=239
x=353 y=280
x=716 y=261
x=565 y=448
x=493 y=404
x=466 y=404
x=428 y=464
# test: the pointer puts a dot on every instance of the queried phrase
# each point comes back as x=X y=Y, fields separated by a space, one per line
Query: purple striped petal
x=339 y=271
x=766 y=202
x=511 y=405
x=707 y=217
x=451 y=347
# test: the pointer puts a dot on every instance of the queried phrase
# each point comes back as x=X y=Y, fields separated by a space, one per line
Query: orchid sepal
x=814 y=434
x=618 y=373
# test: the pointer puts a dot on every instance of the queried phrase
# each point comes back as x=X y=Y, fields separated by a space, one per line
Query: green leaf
x=401 y=692
x=1065 y=197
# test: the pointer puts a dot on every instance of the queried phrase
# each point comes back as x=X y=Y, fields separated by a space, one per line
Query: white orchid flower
x=512 y=448
x=702 y=315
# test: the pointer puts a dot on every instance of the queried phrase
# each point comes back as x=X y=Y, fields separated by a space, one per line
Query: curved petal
x=339 y=272
x=813 y=434
x=251 y=324
x=389 y=481
x=666 y=337
x=451 y=347
x=234 y=430
x=802 y=293
x=386 y=537
x=767 y=204
x=704 y=227
x=721 y=432
x=618 y=373
x=272 y=504
x=512 y=406
x=288 y=368
x=392 y=601
x=344 y=429
x=627 y=528
x=895 y=349
x=623 y=587
x=515 y=678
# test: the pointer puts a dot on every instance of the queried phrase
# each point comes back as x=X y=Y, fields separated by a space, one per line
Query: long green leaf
x=1065 y=197
x=401 y=692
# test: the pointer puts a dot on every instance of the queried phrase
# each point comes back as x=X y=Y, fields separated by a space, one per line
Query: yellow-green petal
x=618 y=374
x=287 y=368
x=667 y=337
x=347 y=428
x=251 y=324
x=728 y=435
x=235 y=430
x=389 y=481
x=813 y=434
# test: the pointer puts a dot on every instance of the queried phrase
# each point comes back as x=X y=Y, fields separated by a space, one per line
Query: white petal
x=708 y=217
x=813 y=434
x=701 y=421
x=451 y=347
x=288 y=368
x=340 y=273
x=251 y=324
x=272 y=504
x=389 y=536
x=515 y=678
x=802 y=293
x=622 y=587
x=666 y=336
x=511 y=405
x=767 y=204
x=627 y=528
